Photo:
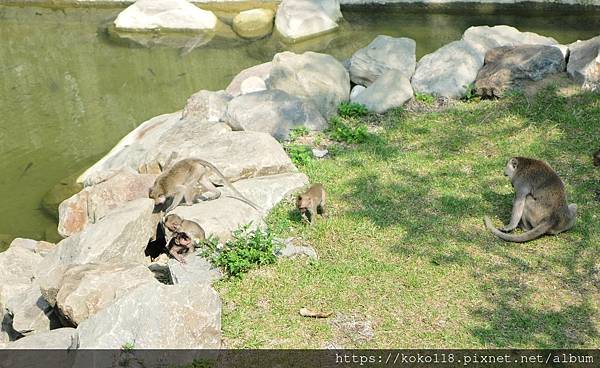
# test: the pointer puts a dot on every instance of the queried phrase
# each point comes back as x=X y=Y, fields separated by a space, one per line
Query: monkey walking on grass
x=312 y=202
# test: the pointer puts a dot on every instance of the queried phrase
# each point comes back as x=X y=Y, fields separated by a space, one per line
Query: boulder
x=274 y=112
x=36 y=246
x=61 y=338
x=298 y=20
x=236 y=154
x=316 y=77
x=261 y=71
x=447 y=71
x=86 y=289
x=30 y=312
x=356 y=90
x=206 y=105
x=222 y=216
x=252 y=84
x=384 y=53
x=17 y=269
x=94 y=202
x=485 y=38
x=507 y=67
x=390 y=90
x=176 y=15
x=58 y=193
x=254 y=23
x=119 y=237
x=584 y=63
x=196 y=270
x=185 y=316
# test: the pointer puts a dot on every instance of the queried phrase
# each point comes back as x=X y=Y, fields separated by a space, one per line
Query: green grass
x=404 y=250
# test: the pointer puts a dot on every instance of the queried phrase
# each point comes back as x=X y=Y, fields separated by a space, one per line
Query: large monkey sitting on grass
x=540 y=206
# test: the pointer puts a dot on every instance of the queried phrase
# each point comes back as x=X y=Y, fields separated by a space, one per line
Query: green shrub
x=340 y=130
x=298 y=132
x=470 y=94
x=352 y=110
x=246 y=250
x=426 y=98
x=300 y=155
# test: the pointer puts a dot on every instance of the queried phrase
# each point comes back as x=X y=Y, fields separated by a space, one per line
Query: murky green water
x=68 y=93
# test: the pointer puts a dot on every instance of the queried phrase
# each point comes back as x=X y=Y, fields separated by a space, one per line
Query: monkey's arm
x=517 y=211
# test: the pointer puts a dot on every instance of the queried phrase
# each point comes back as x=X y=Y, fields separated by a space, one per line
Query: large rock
x=261 y=71
x=382 y=54
x=61 y=338
x=485 y=38
x=185 y=316
x=584 y=63
x=17 y=269
x=390 y=90
x=447 y=71
x=88 y=288
x=94 y=202
x=196 y=270
x=236 y=154
x=222 y=216
x=178 y=15
x=36 y=246
x=206 y=105
x=30 y=312
x=298 y=20
x=254 y=23
x=121 y=236
x=274 y=112
x=507 y=67
x=316 y=77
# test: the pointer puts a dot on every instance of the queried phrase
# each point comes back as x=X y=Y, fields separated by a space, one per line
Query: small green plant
x=297 y=132
x=300 y=154
x=470 y=94
x=352 y=110
x=425 y=98
x=246 y=250
x=128 y=346
x=341 y=131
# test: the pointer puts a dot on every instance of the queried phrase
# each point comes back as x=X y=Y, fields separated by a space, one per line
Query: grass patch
x=404 y=257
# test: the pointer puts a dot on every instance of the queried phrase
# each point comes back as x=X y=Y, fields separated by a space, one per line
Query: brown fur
x=180 y=244
x=176 y=224
x=312 y=202
x=540 y=205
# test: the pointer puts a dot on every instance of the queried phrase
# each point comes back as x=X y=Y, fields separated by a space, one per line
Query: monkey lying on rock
x=540 y=205
x=179 y=182
x=312 y=202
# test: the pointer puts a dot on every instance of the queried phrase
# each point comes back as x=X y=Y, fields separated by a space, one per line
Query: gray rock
x=36 y=246
x=261 y=71
x=584 y=63
x=30 y=312
x=316 y=77
x=236 y=154
x=206 y=106
x=121 y=236
x=178 y=15
x=390 y=90
x=61 y=338
x=319 y=153
x=508 y=67
x=356 y=90
x=253 y=84
x=196 y=270
x=290 y=250
x=157 y=316
x=94 y=202
x=384 y=53
x=254 y=23
x=298 y=20
x=274 y=112
x=485 y=38
x=88 y=288
x=222 y=216
x=447 y=71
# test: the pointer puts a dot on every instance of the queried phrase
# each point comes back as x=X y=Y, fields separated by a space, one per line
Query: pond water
x=69 y=93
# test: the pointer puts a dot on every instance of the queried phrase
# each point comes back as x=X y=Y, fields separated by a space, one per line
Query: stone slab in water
x=584 y=63
x=254 y=23
x=298 y=20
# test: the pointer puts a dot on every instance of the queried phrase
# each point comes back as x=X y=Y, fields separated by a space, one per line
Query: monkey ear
x=514 y=162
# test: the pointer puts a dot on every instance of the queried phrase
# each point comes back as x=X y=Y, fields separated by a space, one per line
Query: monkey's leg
x=177 y=198
x=323 y=209
x=210 y=187
x=517 y=213
x=313 y=215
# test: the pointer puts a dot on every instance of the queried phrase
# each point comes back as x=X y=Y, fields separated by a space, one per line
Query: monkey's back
x=547 y=188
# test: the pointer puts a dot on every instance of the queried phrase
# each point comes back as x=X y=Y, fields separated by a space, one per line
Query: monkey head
x=511 y=167
x=183 y=239
x=173 y=222
x=303 y=202
x=158 y=194
x=597 y=158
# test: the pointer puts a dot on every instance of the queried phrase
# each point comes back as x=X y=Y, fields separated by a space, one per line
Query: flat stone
x=254 y=23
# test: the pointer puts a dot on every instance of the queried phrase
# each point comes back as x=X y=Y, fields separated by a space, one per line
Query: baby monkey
x=186 y=235
x=180 y=244
x=312 y=202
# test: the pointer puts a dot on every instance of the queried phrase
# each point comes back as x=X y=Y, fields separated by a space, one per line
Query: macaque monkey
x=312 y=202
x=540 y=205
x=180 y=181
x=176 y=224
x=180 y=244
x=597 y=158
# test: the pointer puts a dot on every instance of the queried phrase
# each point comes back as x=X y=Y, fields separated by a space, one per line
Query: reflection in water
x=69 y=93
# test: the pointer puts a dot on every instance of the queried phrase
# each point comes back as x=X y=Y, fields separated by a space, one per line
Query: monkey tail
x=534 y=233
x=229 y=185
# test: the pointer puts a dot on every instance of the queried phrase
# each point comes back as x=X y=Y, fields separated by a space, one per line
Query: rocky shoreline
x=82 y=292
